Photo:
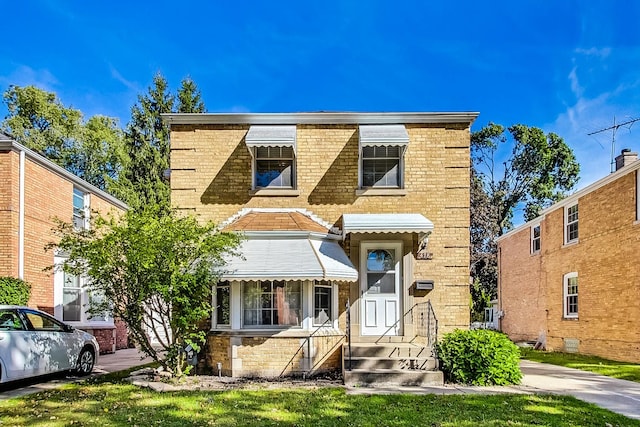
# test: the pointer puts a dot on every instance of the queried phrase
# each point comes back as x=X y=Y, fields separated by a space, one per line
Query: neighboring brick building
x=335 y=207
x=34 y=191
x=570 y=278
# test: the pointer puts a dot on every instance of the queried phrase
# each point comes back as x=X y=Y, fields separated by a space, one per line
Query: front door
x=380 y=280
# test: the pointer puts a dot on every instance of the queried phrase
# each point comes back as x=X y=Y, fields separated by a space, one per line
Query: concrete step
x=400 y=350
x=372 y=363
x=392 y=377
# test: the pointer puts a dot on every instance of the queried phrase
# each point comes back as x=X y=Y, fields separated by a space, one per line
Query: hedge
x=14 y=291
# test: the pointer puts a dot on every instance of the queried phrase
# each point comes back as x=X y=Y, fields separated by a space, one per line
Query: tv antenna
x=613 y=130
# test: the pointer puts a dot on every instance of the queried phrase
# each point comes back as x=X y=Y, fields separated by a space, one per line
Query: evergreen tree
x=143 y=180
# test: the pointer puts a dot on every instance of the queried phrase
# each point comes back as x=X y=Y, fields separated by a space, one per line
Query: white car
x=34 y=343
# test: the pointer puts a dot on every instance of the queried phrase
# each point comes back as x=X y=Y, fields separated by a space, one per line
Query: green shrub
x=14 y=291
x=479 y=357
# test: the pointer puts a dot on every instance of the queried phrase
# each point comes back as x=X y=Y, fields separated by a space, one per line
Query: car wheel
x=86 y=360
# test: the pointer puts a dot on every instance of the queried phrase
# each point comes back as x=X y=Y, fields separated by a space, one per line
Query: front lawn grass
x=115 y=404
x=610 y=368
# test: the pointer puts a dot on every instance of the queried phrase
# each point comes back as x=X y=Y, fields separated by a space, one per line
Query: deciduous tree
x=513 y=168
x=155 y=272
x=39 y=120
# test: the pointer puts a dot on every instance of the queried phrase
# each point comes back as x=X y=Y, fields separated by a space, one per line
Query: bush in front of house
x=14 y=291
x=479 y=357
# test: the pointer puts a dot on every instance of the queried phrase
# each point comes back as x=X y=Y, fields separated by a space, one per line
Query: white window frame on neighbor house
x=571 y=220
x=64 y=281
x=81 y=202
x=568 y=294
x=535 y=238
x=274 y=154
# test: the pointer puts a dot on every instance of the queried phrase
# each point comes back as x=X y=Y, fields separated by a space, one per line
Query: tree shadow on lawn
x=123 y=404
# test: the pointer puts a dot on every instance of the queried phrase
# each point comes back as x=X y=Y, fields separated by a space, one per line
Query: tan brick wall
x=9 y=199
x=211 y=176
x=608 y=274
x=273 y=356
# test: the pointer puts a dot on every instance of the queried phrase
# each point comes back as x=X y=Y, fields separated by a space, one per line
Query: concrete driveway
x=118 y=361
x=616 y=395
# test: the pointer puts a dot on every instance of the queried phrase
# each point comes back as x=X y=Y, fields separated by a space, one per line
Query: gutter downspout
x=21 y=217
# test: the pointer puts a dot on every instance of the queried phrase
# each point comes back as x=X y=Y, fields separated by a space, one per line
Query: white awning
x=386 y=223
x=271 y=136
x=295 y=258
x=383 y=135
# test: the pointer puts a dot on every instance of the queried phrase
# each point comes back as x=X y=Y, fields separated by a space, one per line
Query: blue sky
x=568 y=67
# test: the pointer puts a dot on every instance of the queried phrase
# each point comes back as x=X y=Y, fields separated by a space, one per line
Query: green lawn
x=610 y=368
x=114 y=404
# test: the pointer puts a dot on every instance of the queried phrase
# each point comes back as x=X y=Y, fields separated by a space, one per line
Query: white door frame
x=380 y=312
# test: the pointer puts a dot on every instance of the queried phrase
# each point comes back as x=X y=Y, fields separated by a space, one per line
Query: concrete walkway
x=118 y=361
x=620 y=396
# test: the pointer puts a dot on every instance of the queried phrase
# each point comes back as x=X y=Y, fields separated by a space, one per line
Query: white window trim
x=266 y=190
x=565 y=305
x=58 y=300
x=566 y=224
x=86 y=207
x=237 y=321
x=536 y=251
x=401 y=152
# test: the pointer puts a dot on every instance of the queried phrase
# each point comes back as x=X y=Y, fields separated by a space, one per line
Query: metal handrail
x=308 y=343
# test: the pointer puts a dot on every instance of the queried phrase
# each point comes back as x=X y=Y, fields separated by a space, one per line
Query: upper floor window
x=535 y=238
x=570 y=295
x=381 y=167
x=571 y=223
x=273 y=149
x=80 y=209
x=274 y=167
x=382 y=149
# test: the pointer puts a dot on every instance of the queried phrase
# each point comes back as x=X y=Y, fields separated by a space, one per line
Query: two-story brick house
x=570 y=279
x=34 y=191
x=365 y=209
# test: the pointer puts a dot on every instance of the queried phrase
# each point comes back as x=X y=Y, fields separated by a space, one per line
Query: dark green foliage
x=143 y=180
x=513 y=168
x=479 y=357
x=14 y=291
x=156 y=273
x=90 y=149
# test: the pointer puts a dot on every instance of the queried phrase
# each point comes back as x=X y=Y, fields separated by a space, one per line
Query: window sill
x=536 y=253
x=275 y=192
x=636 y=222
x=381 y=192
x=92 y=325
x=294 y=332
x=570 y=318
x=571 y=243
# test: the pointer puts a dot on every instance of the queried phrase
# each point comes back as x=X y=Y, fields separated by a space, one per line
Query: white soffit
x=271 y=136
x=290 y=259
x=383 y=135
x=386 y=223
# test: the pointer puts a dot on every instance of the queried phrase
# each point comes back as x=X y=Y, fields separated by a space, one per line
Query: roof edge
x=320 y=118
x=572 y=198
x=12 y=145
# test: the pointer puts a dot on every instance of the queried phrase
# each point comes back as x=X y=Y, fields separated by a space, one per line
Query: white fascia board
x=320 y=118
